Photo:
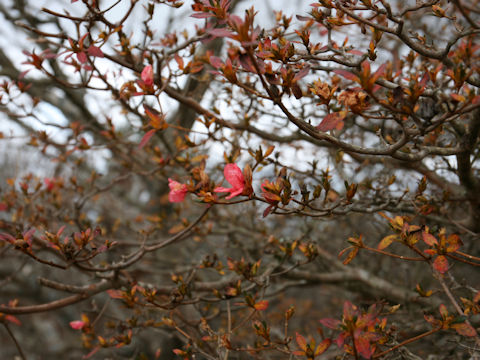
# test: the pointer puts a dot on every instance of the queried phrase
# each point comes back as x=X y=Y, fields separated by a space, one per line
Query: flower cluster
x=241 y=185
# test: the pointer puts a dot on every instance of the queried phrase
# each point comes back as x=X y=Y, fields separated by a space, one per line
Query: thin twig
x=17 y=345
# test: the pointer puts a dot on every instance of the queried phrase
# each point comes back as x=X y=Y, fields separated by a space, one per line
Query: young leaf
x=330 y=323
x=386 y=241
x=148 y=135
x=323 y=346
x=261 y=305
x=301 y=342
x=347 y=75
x=13 y=319
x=363 y=347
x=429 y=239
x=443 y=311
x=302 y=73
x=332 y=121
x=441 y=264
x=95 y=51
x=464 y=329
x=351 y=255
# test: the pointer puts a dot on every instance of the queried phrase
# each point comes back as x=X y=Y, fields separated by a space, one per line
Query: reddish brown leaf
x=464 y=329
x=457 y=97
x=297 y=91
x=301 y=342
x=82 y=57
x=355 y=52
x=267 y=211
x=331 y=121
x=215 y=61
x=441 y=264
x=330 y=323
x=351 y=255
x=155 y=117
x=454 y=243
x=349 y=310
x=95 y=51
x=298 y=353
x=179 y=61
x=115 y=294
x=386 y=241
x=429 y=239
x=302 y=18
x=13 y=320
x=347 y=75
x=302 y=73
x=148 y=135
x=202 y=15
x=431 y=320
x=422 y=292
x=261 y=305
x=363 y=347
x=91 y=353
x=176 y=228
x=323 y=346
x=220 y=32
x=380 y=71
x=443 y=311
x=246 y=62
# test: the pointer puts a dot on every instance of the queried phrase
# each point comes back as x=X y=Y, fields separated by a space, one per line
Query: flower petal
x=77 y=325
x=234 y=175
x=234 y=192
x=178 y=191
x=147 y=75
x=222 y=189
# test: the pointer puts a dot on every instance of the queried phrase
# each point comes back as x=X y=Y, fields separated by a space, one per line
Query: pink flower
x=77 y=325
x=147 y=75
x=49 y=183
x=177 y=191
x=235 y=177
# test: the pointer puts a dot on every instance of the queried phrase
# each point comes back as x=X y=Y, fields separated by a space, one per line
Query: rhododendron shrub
x=330 y=154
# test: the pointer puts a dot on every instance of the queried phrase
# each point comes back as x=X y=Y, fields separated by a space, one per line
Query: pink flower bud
x=77 y=325
x=147 y=75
